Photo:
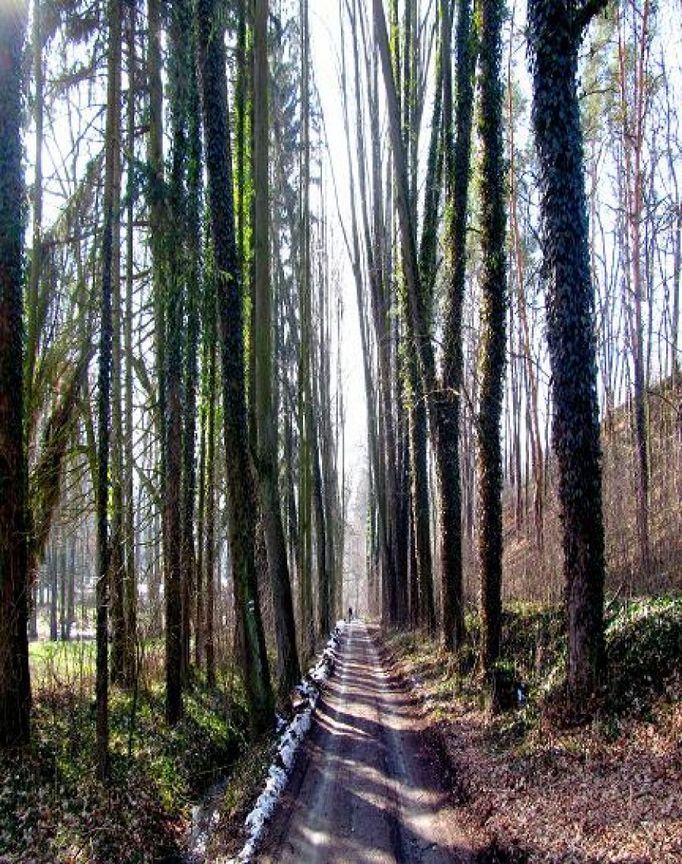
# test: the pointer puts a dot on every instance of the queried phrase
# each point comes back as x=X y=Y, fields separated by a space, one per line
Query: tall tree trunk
x=34 y=304
x=457 y=159
x=193 y=242
x=155 y=196
x=444 y=404
x=634 y=119
x=199 y=607
x=117 y=577
x=524 y=338
x=172 y=504
x=380 y=304
x=285 y=627
x=418 y=416
x=209 y=548
x=104 y=392
x=380 y=541
x=321 y=527
x=241 y=494
x=130 y=587
x=493 y=336
x=181 y=354
x=53 y=572
x=305 y=497
x=555 y=33
x=70 y=591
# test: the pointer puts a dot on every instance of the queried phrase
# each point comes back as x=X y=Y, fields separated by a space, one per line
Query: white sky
x=325 y=55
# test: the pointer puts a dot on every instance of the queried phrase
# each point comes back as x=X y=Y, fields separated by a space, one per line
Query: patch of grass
x=61 y=663
x=52 y=804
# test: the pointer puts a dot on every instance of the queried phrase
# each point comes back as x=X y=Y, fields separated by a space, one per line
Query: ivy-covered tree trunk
x=175 y=283
x=130 y=587
x=199 y=599
x=117 y=576
x=419 y=501
x=15 y=689
x=305 y=414
x=193 y=242
x=555 y=32
x=104 y=394
x=242 y=514
x=443 y=395
x=493 y=332
x=209 y=545
x=285 y=628
x=457 y=158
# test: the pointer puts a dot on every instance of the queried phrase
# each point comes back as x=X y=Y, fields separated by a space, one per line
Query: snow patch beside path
x=292 y=735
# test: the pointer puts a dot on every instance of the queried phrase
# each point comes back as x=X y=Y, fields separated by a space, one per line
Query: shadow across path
x=365 y=787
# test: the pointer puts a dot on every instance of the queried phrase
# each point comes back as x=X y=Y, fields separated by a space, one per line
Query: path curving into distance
x=364 y=787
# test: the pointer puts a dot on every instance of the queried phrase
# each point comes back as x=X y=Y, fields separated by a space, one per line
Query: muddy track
x=366 y=786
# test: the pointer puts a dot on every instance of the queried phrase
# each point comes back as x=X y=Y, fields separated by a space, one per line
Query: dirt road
x=364 y=786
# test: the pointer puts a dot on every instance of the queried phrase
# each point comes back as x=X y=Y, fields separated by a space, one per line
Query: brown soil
x=368 y=784
x=569 y=796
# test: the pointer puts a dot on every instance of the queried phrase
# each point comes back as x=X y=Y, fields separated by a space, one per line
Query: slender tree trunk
x=199 y=607
x=130 y=587
x=241 y=494
x=54 y=592
x=418 y=416
x=444 y=401
x=34 y=304
x=493 y=335
x=380 y=541
x=285 y=628
x=117 y=576
x=306 y=612
x=380 y=303
x=193 y=242
x=172 y=502
x=634 y=119
x=419 y=498
x=209 y=549
x=156 y=201
x=525 y=343
x=104 y=393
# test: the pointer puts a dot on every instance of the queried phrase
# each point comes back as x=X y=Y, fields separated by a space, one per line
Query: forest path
x=364 y=786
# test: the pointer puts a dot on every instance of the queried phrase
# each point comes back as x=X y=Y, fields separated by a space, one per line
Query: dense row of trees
x=170 y=356
x=177 y=352
x=450 y=301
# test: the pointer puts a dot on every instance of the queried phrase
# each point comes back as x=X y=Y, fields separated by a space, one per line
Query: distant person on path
x=350 y=614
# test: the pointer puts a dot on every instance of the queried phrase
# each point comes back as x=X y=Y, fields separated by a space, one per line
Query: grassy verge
x=52 y=808
x=532 y=790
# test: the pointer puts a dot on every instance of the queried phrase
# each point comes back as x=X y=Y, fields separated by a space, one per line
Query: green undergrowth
x=53 y=809
x=643 y=647
x=247 y=779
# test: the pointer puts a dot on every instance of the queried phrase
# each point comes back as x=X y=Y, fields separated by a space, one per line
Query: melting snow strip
x=289 y=742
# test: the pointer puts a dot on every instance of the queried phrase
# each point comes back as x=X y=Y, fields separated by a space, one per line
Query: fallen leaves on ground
x=583 y=796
